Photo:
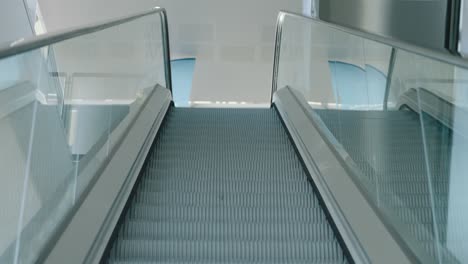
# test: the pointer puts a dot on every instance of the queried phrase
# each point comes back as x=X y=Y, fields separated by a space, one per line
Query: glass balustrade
x=402 y=119
x=63 y=110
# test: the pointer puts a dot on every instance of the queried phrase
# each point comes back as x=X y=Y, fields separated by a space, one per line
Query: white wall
x=113 y=65
x=306 y=51
x=232 y=40
x=14 y=23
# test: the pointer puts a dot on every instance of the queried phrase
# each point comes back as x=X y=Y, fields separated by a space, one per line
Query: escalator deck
x=224 y=186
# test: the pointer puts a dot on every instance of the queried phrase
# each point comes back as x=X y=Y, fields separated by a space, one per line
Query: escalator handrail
x=437 y=55
x=24 y=45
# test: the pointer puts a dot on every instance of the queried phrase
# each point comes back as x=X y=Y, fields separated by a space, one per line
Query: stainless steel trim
x=286 y=102
x=278 y=38
x=292 y=114
x=453 y=26
x=461 y=19
x=111 y=220
x=25 y=45
x=354 y=213
x=101 y=203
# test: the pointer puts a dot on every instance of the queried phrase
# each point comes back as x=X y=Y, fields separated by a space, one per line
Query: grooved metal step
x=206 y=261
x=228 y=250
x=224 y=186
x=223 y=213
x=223 y=231
x=232 y=199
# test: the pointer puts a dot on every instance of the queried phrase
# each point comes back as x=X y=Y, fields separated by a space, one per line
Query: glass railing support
x=395 y=113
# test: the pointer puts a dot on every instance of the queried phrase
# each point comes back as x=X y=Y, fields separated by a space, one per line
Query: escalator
x=361 y=166
x=224 y=186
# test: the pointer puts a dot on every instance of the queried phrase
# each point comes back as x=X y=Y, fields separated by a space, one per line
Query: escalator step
x=224 y=186
x=221 y=250
x=223 y=213
x=225 y=231
x=227 y=199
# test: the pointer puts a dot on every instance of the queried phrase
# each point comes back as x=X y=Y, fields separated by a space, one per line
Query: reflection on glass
x=182 y=77
x=401 y=117
x=351 y=85
x=63 y=110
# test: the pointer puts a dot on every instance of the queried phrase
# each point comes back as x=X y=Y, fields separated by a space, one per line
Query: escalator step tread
x=227 y=199
x=218 y=250
x=242 y=231
x=223 y=213
x=229 y=261
x=224 y=186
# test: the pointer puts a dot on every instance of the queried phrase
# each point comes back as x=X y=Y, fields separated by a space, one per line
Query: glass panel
x=182 y=77
x=401 y=117
x=440 y=90
x=63 y=110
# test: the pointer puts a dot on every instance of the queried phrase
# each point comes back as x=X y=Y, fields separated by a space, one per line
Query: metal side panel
x=85 y=238
x=363 y=231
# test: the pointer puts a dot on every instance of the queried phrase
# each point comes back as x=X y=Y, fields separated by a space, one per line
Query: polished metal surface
x=366 y=235
x=462 y=44
x=424 y=23
x=454 y=25
x=87 y=228
x=25 y=45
